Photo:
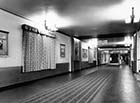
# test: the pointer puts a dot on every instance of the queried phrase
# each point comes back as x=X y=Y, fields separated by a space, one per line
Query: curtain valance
x=35 y=30
x=29 y=28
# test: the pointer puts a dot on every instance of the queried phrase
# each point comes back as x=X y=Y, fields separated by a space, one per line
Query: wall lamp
x=50 y=27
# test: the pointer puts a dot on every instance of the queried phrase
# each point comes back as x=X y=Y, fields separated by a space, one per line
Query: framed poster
x=95 y=54
x=76 y=50
x=85 y=51
x=3 y=42
x=62 y=50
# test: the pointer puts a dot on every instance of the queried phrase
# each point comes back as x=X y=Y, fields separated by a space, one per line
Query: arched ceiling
x=81 y=17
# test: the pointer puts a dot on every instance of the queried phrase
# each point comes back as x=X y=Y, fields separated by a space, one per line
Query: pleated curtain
x=38 y=52
x=44 y=62
x=49 y=52
x=52 y=53
x=90 y=55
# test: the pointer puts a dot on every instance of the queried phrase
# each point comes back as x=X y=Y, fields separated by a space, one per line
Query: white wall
x=84 y=45
x=63 y=39
x=138 y=51
x=92 y=43
x=12 y=24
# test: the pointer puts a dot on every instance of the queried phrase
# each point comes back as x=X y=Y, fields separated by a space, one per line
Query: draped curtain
x=90 y=55
x=38 y=50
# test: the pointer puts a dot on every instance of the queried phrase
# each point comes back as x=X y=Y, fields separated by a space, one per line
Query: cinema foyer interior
x=69 y=51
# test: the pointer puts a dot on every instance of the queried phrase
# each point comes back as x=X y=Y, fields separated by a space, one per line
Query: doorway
x=114 y=58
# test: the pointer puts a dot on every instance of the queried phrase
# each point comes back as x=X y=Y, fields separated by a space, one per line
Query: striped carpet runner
x=80 y=90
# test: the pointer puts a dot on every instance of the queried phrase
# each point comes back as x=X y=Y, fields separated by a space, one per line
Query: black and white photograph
x=69 y=51
x=62 y=50
x=3 y=43
x=84 y=53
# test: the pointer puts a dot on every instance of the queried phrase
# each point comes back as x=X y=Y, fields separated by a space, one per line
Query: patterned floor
x=81 y=90
x=17 y=93
x=104 y=84
x=111 y=84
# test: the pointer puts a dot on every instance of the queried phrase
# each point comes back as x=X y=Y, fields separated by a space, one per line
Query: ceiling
x=82 y=18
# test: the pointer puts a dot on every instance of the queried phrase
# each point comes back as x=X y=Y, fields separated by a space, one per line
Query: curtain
x=90 y=55
x=52 y=53
x=45 y=54
x=38 y=51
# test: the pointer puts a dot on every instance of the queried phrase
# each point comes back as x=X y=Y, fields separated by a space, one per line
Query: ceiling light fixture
x=51 y=18
x=51 y=27
x=132 y=16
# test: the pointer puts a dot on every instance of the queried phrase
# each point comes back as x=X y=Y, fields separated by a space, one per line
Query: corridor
x=104 y=84
x=69 y=51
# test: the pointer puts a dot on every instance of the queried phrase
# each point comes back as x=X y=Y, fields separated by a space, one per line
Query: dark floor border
x=13 y=75
x=28 y=82
x=85 y=64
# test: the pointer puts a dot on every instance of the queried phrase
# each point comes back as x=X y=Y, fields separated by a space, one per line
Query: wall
x=134 y=60
x=108 y=41
x=10 y=23
x=138 y=52
x=84 y=45
x=11 y=65
x=62 y=39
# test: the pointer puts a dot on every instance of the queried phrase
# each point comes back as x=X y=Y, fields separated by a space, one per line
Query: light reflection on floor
x=127 y=86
